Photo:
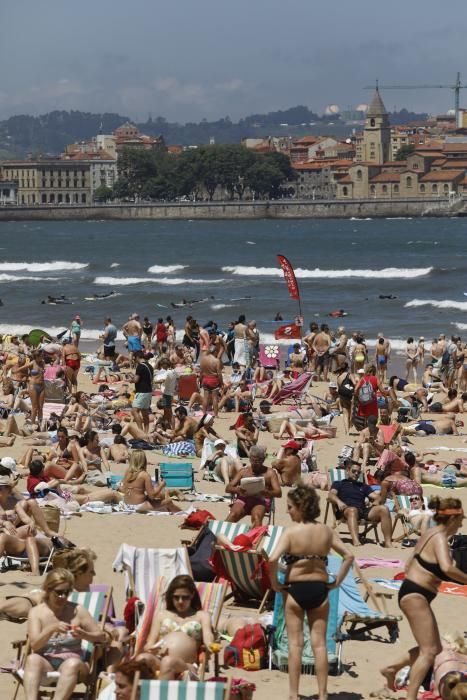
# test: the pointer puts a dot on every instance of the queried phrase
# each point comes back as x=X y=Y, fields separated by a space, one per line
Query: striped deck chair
x=401 y=504
x=294 y=391
x=179 y=690
x=356 y=618
x=143 y=567
x=97 y=604
x=368 y=526
x=212 y=597
x=247 y=570
x=278 y=641
x=48 y=408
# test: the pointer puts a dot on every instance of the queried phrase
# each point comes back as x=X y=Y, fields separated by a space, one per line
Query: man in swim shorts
x=211 y=379
x=141 y=405
x=133 y=330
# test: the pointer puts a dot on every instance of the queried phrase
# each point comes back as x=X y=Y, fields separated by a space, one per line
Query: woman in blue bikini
x=303 y=549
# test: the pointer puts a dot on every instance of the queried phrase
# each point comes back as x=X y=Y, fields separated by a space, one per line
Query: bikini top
x=429 y=566
x=290 y=559
x=192 y=628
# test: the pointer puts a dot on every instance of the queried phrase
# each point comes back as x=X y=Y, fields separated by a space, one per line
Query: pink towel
x=382 y=563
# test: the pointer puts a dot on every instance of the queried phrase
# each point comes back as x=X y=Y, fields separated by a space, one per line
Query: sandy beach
x=105 y=533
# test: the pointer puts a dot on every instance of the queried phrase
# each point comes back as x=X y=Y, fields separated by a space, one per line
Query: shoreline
x=279 y=209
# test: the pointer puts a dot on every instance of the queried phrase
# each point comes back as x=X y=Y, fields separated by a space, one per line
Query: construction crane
x=457 y=87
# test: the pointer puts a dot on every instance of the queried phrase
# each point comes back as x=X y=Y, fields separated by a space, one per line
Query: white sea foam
x=460 y=326
x=438 y=304
x=126 y=281
x=55 y=265
x=29 y=278
x=155 y=269
x=115 y=265
x=317 y=273
x=217 y=307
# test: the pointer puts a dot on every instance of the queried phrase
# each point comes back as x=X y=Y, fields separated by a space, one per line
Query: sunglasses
x=61 y=592
x=355 y=471
x=414 y=499
x=181 y=597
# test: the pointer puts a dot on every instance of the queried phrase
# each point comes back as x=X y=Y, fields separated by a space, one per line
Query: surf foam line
x=126 y=281
x=53 y=266
x=438 y=304
x=27 y=278
x=318 y=273
x=167 y=269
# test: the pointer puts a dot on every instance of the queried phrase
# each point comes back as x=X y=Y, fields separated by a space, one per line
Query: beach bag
x=459 y=551
x=200 y=558
x=196 y=520
x=366 y=393
x=51 y=516
x=346 y=388
x=247 y=649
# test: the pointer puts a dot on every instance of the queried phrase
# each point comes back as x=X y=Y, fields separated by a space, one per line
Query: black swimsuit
x=307 y=594
x=409 y=586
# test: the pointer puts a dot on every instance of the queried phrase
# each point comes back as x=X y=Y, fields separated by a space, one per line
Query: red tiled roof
x=443 y=176
x=455 y=148
x=394 y=164
x=454 y=163
x=346 y=180
x=306 y=140
x=386 y=177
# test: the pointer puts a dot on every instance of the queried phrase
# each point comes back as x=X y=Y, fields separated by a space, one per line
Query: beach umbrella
x=34 y=337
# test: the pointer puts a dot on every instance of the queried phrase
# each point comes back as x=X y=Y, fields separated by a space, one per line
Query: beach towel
x=452 y=588
x=382 y=563
x=148 y=564
x=387 y=583
x=240 y=355
x=186 y=448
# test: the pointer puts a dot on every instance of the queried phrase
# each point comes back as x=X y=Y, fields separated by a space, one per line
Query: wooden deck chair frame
x=91 y=651
x=356 y=625
x=180 y=690
x=400 y=503
x=367 y=525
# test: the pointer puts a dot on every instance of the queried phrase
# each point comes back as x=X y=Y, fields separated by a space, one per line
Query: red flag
x=289 y=275
x=287 y=332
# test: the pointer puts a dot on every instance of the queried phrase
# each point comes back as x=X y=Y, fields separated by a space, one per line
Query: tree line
x=235 y=171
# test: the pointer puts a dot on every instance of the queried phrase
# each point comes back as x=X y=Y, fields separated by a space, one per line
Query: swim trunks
x=134 y=343
x=249 y=502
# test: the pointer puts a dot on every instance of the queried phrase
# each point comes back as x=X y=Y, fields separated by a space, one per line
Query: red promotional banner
x=289 y=275
x=288 y=332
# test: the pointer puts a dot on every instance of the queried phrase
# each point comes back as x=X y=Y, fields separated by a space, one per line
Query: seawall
x=293 y=209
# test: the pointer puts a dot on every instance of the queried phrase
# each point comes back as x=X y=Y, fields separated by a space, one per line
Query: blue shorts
x=166 y=400
x=142 y=401
x=134 y=343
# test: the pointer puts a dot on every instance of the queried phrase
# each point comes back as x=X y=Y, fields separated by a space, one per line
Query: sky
x=187 y=60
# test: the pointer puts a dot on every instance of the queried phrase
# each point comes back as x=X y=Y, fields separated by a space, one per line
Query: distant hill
x=49 y=133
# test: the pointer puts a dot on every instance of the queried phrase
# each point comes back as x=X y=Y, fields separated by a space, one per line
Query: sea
x=402 y=277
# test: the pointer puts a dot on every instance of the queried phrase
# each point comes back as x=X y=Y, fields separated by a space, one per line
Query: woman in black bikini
x=419 y=589
x=36 y=386
x=304 y=549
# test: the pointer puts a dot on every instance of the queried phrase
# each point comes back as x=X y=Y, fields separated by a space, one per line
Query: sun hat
x=8 y=463
x=5 y=480
x=332 y=385
x=219 y=442
x=360 y=371
x=292 y=444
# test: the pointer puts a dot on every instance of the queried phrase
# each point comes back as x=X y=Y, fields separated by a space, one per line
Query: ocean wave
x=166 y=268
x=55 y=265
x=18 y=278
x=438 y=304
x=460 y=326
x=115 y=265
x=217 y=307
x=126 y=281
x=317 y=273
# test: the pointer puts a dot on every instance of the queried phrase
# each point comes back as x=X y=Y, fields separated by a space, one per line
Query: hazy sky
x=189 y=59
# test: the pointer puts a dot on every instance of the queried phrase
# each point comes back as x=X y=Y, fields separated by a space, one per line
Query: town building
x=8 y=192
x=49 y=181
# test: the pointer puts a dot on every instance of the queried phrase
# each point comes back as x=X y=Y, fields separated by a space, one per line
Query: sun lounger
x=294 y=391
x=368 y=526
x=180 y=690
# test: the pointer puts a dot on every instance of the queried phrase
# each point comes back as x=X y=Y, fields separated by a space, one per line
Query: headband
x=450 y=511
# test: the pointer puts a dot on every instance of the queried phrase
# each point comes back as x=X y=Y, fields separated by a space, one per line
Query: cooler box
x=177 y=476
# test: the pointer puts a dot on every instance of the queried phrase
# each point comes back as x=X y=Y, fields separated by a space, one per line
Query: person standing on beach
x=240 y=342
x=211 y=380
x=321 y=346
x=108 y=338
x=424 y=573
x=76 y=329
x=133 y=330
x=141 y=405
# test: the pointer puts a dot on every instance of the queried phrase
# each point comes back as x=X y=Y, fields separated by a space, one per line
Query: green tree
x=264 y=178
x=103 y=193
x=405 y=151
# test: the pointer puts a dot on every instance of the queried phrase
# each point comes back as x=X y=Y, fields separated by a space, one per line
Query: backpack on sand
x=346 y=388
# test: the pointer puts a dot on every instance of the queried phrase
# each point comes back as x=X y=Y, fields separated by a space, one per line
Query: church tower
x=377 y=133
